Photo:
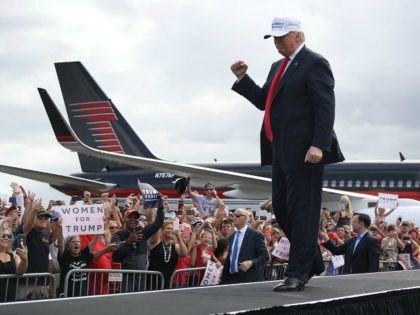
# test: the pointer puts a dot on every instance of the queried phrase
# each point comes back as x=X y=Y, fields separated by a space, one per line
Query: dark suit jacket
x=252 y=248
x=364 y=259
x=302 y=113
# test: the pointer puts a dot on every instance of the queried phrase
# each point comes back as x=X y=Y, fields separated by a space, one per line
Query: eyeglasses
x=209 y=188
x=9 y=236
x=42 y=217
x=237 y=215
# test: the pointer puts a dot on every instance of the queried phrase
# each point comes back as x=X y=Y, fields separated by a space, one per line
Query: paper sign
x=282 y=249
x=212 y=274
x=387 y=201
x=337 y=261
x=404 y=261
x=150 y=195
x=115 y=276
x=82 y=219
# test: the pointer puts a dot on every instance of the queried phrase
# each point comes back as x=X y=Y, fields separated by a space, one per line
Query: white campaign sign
x=282 y=249
x=82 y=219
x=337 y=261
x=212 y=274
x=388 y=201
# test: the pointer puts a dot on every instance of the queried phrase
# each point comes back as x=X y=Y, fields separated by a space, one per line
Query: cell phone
x=22 y=239
x=263 y=218
x=232 y=210
x=190 y=212
x=254 y=213
x=76 y=198
x=57 y=203
x=12 y=200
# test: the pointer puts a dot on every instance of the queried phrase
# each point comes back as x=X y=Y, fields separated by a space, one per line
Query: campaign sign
x=82 y=219
x=150 y=195
x=212 y=274
x=337 y=261
x=388 y=201
x=282 y=249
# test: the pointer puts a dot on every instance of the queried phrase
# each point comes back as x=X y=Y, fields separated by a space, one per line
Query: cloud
x=165 y=65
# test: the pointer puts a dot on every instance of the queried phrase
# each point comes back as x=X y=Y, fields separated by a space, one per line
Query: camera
x=57 y=203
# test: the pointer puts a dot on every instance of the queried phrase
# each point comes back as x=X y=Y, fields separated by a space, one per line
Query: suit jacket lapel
x=291 y=68
x=356 y=251
x=244 y=240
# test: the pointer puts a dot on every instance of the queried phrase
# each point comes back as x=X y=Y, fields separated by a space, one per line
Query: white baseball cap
x=282 y=26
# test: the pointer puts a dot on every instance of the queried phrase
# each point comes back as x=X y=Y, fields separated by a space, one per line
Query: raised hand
x=239 y=68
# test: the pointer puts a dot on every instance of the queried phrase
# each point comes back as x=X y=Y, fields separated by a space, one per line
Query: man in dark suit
x=247 y=252
x=361 y=253
x=298 y=139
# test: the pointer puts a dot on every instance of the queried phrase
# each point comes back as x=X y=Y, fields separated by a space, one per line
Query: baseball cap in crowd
x=347 y=228
x=42 y=211
x=9 y=209
x=55 y=215
x=332 y=235
x=209 y=186
x=282 y=26
x=129 y=212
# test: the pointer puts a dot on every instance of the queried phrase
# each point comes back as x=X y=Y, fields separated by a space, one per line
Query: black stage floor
x=221 y=299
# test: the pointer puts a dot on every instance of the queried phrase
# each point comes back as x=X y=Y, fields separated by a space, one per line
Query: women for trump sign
x=82 y=219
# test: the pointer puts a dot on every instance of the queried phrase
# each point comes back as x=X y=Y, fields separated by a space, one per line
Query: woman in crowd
x=165 y=248
x=345 y=212
x=10 y=263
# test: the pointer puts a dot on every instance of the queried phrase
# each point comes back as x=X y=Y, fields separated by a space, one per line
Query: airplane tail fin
x=95 y=119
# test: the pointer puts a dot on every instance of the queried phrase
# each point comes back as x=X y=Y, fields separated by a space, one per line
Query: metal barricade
x=187 y=278
x=29 y=286
x=83 y=282
x=275 y=271
x=388 y=266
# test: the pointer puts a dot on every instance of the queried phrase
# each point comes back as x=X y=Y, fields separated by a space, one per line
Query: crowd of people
x=165 y=240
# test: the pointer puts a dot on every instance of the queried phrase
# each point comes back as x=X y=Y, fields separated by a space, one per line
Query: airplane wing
x=56 y=180
x=243 y=185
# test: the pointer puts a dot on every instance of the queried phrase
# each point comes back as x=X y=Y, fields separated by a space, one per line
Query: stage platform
x=377 y=293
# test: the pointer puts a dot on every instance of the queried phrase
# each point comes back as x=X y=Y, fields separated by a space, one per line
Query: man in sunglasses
x=247 y=252
x=209 y=203
x=36 y=227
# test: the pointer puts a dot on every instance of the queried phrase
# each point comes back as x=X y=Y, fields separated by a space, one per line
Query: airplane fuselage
x=402 y=178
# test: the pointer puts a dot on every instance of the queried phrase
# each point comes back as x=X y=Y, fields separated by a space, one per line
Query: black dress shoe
x=290 y=284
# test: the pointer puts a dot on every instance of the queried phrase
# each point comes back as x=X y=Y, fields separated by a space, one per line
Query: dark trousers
x=297 y=206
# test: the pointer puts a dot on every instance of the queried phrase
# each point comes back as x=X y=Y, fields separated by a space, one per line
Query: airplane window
x=400 y=183
x=349 y=183
x=374 y=183
x=383 y=183
x=341 y=183
x=391 y=183
x=325 y=183
x=417 y=183
x=333 y=183
x=408 y=183
x=358 y=183
x=366 y=183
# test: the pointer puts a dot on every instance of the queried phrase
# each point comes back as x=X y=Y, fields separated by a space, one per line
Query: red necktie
x=271 y=92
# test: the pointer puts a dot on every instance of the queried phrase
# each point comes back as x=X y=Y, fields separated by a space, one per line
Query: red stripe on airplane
x=98 y=117
x=112 y=148
x=108 y=142
x=107 y=136
x=88 y=111
x=99 y=124
x=65 y=138
x=102 y=130
x=90 y=105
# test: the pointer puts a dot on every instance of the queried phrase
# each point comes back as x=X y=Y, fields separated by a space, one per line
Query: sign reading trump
x=82 y=219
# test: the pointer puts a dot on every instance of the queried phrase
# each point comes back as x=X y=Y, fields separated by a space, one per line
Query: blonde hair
x=7 y=229
x=348 y=209
x=166 y=223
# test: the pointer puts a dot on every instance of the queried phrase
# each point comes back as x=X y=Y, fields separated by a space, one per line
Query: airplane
x=113 y=158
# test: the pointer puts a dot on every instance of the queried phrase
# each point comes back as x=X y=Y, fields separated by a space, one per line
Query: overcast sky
x=166 y=66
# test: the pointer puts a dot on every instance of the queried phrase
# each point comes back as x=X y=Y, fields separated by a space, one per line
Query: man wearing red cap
x=132 y=253
x=297 y=139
